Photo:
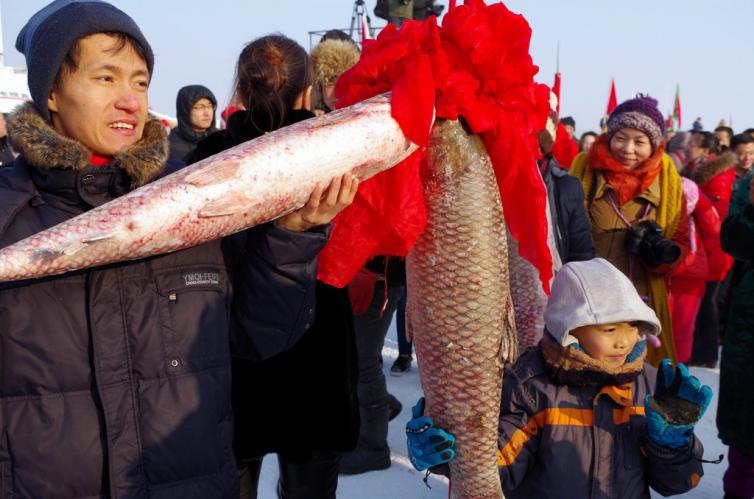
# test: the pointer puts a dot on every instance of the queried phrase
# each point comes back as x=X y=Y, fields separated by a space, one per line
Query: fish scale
x=459 y=310
x=250 y=184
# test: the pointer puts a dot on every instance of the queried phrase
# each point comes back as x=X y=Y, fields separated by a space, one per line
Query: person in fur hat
x=581 y=414
x=331 y=58
x=116 y=380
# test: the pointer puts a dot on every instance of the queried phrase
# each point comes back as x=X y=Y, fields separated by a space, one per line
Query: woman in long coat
x=636 y=206
x=736 y=403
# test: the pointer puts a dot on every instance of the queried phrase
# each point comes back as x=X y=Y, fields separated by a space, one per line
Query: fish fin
x=508 y=352
x=229 y=205
x=78 y=245
x=217 y=174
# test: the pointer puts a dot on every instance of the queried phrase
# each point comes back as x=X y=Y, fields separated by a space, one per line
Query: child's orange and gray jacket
x=583 y=442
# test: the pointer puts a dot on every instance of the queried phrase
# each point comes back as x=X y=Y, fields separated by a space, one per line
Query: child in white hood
x=577 y=418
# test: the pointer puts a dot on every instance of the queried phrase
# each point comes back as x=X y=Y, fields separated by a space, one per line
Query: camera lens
x=667 y=251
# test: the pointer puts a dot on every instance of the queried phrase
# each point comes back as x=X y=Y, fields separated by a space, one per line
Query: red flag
x=565 y=148
x=452 y=5
x=556 y=90
x=677 y=106
x=612 y=101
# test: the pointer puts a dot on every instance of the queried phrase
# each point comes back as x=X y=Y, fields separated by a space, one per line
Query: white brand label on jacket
x=201 y=278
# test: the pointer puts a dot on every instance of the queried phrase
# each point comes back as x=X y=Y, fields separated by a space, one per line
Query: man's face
x=103 y=102
x=723 y=138
x=202 y=114
x=694 y=150
x=587 y=142
x=328 y=95
x=571 y=129
x=3 y=130
x=745 y=153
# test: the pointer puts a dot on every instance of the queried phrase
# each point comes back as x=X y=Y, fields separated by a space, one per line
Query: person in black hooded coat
x=195 y=109
x=308 y=393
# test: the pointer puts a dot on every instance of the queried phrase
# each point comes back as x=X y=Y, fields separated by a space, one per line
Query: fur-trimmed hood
x=713 y=167
x=44 y=148
x=570 y=365
x=331 y=58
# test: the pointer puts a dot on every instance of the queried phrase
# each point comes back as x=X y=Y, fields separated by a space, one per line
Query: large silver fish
x=247 y=185
x=459 y=310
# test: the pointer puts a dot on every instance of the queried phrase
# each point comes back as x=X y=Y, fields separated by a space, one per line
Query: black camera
x=646 y=241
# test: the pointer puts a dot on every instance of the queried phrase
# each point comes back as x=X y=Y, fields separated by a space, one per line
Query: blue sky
x=646 y=45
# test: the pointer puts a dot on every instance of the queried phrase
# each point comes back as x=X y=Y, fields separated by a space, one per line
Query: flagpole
x=557 y=59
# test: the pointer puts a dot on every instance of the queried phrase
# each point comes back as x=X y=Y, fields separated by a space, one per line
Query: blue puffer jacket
x=115 y=381
x=568 y=432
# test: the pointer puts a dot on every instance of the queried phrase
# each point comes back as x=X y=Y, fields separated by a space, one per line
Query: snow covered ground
x=401 y=481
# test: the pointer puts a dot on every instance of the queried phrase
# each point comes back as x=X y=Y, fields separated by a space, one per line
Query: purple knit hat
x=640 y=113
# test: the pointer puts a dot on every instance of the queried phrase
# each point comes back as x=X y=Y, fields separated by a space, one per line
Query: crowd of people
x=130 y=384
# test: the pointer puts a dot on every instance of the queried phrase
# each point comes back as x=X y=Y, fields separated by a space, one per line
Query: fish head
x=452 y=148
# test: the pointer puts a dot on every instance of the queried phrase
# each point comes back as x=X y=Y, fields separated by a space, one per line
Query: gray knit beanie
x=52 y=32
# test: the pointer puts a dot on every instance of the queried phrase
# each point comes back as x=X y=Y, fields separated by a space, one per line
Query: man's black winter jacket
x=115 y=381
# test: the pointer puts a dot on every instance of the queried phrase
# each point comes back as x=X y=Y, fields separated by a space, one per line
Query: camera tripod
x=357 y=21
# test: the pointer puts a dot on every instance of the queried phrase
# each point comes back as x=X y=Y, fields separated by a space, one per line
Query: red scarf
x=97 y=160
x=627 y=183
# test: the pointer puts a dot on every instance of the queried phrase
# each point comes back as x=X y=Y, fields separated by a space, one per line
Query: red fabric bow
x=476 y=66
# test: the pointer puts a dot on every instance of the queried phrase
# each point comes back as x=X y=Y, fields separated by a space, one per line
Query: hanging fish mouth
x=452 y=148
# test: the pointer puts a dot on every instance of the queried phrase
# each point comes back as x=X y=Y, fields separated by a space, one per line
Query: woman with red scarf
x=636 y=206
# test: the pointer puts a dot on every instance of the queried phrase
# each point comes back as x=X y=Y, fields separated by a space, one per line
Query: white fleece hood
x=594 y=292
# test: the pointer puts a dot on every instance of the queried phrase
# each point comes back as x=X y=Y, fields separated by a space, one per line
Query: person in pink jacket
x=705 y=258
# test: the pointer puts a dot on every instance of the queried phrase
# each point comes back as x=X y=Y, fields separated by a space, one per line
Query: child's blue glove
x=427 y=446
x=679 y=402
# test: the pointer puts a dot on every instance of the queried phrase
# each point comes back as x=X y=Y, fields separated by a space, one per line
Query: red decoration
x=612 y=101
x=476 y=66
x=565 y=148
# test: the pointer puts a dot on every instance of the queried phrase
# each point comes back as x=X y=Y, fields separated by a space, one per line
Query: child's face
x=610 y=343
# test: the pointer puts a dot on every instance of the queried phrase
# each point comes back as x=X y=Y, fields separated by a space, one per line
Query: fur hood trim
x=567 y=365
x=331 y=58
x=44 y=148
x=713 y=167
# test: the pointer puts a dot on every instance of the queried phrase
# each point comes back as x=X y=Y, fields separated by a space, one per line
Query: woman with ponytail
x=300 y=404
x=636 y=205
